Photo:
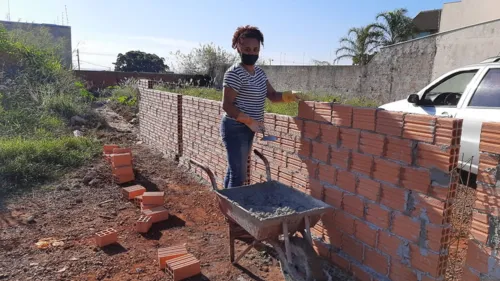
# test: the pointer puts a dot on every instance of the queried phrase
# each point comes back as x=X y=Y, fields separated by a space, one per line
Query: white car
x=471 y=93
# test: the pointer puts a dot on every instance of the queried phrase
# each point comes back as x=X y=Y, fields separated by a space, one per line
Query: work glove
x=289 y=96
x=255 y=126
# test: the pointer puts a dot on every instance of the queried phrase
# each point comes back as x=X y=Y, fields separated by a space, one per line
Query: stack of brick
x=178 y=263
x=201 y=139
x=483 y=259
x=160 y=119
x=389 y=177
x=121 y=163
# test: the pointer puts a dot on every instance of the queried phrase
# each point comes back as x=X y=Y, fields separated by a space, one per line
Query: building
x=427 y=22
x=468 y=12
x=57 y=31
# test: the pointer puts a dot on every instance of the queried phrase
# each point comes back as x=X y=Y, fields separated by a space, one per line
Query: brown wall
x=388 y=176
x=103 y=79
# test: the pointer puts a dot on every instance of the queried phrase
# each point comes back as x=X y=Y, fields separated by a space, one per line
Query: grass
x=290 y=109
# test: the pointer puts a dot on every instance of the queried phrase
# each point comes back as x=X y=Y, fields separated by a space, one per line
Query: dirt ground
x=86 y=201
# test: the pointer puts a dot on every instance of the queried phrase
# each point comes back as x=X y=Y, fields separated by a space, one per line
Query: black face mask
x=247 y=59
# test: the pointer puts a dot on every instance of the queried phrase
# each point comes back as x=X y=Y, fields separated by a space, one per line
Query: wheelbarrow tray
x=261 y=209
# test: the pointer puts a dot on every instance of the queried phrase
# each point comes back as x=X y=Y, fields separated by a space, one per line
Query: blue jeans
x=238 y=139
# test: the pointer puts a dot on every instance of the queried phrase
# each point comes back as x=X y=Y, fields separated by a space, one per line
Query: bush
x=24 y=162
x=126 y=92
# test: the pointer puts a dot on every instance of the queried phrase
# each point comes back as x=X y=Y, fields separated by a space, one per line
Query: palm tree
x=358 y=45
x=395 y=26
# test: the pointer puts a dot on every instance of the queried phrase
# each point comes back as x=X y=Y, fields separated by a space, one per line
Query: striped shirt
x=251 y=89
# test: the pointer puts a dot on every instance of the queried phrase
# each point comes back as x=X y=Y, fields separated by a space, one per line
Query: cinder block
x=121 y=160
x=153 y=198
x=106 y=237
x=133 y=191
x=168 y=253
x=183 y=267
x=157 y=214
x=143 y=224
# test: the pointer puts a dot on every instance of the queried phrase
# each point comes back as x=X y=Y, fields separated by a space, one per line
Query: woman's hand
x=256 y=127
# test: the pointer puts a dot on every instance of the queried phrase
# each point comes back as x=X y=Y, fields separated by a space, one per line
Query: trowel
x=268 y=137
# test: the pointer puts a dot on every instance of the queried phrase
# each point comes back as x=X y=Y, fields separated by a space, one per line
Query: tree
x=137 y=61
x=395 y=27
x=359 y=45
x=207 y=59
x=321 y=62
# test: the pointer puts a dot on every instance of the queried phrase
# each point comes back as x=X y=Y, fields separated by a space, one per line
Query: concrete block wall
x=483 y=259
x=387 y=175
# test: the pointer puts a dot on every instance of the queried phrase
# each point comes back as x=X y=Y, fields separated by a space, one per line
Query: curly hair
x=247 y=31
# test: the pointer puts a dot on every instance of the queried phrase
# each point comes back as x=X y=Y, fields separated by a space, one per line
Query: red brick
x=437 y=236
x=376 y=215
x=433 y=208
x=368 y=188
x=306 y=110
x=143 y=224
x=333 y=197
x=376 y=261
x=364 y=118
x=340 y=157
x=424 y=261
x=332 y=235
x=448 y=131
x=362 y=163
x=183 y=267
x=329 y=134
x=108 y=149
x=402 y=272
x=157 y=214
x=433 y=156
x=133 y=191
x=360 y=274
x=406 y=227
x=365 y=233
x=439 y=192
x=323 y=111
x=346 y=180
x=479 y=227
x=311 y=168
x=340 y=261
x=372 y=143
x=399 y=150
x=469 y=275
x=316 y=189
x=393 y=197
x=342 y=115
x=320 y=151
x=153 y=198
x=352 y=247
x=489 y=142
x=349 y=138
x=344 y=222
x=120 y=150
x=321 y=249
x=168 y=253
x=295 y=126
x=327 y=173
x=389 y=244
x=311 y=129
x=353 y=205
x=305 y=148
x=419 y=127
x=386 y=171
x=478 y=256
x=390 y=123
x=417 y=179
x=121 y=160
x=106 y=237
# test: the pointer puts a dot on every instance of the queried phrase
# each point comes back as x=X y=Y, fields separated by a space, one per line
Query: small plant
x=126 y=92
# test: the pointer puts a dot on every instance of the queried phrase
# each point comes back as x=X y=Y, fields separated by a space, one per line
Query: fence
x=391 y=177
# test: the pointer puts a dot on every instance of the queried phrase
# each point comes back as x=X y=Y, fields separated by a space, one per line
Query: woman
x=246 y=88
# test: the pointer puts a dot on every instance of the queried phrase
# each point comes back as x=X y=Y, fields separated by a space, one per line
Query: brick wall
x=483 y=260
x=387 y=175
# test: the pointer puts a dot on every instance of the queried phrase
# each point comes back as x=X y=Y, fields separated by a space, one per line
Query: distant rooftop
x=427 y=20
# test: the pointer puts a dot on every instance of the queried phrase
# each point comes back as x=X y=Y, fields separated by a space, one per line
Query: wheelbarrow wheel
x=305 y=264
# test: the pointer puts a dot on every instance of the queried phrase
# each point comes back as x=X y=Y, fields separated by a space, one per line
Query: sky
x=296 y=32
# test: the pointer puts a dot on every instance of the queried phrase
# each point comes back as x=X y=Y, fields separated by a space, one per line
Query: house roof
x=427 y=20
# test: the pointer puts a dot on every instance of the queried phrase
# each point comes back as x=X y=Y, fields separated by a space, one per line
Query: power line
x=99 y=54
x=94 y=64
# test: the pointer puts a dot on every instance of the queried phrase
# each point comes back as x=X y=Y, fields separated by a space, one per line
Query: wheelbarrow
x=278 y=215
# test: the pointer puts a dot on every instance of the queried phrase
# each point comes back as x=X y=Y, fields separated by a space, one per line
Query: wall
x=57 y=31
x=483 y=260
x=468 y=12
x=398 y=70
x=466 y=46
x=100 y=79
x=387 y=175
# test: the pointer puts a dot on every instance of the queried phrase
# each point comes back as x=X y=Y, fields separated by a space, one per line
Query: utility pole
x=8 y=10
x=78 y=57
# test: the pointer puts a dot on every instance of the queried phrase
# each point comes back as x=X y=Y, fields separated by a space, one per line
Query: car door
x=482 y=105
x=444 y=96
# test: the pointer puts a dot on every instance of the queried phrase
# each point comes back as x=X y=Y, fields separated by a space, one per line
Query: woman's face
x=249 y=46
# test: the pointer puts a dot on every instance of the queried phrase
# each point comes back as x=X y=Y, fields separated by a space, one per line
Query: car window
x=488 y=92
x=449 y=91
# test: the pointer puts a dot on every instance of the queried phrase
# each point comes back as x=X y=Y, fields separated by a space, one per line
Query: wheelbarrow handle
x=266 y=163
x=209 y=173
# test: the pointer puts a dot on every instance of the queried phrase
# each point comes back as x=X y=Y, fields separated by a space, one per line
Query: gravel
x=271 y=200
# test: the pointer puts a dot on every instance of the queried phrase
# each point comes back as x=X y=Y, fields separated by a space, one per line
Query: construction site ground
x=69 y=212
